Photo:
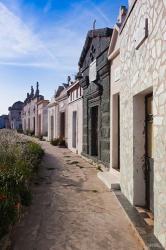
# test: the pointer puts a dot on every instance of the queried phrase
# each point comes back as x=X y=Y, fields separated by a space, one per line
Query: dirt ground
x=72 y=209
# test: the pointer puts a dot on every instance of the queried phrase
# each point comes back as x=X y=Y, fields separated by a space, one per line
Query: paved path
x=72 y=209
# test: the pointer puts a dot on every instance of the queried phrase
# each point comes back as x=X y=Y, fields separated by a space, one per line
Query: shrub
x=55 y=142
x=20 y=130
x=8 y=215
x=31 y=132
x=62 y=142
x=19 y=159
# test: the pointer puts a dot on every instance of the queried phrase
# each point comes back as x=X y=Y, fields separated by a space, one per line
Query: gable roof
x=106 y=32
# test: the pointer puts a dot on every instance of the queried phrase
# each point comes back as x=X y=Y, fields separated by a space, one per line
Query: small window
x=77 y=93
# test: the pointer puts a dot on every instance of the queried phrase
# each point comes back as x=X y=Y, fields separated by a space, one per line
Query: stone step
x=110 y=178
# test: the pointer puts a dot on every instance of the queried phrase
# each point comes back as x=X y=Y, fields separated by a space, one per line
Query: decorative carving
x=37 y=90
x=92 y=53
x=84 y=83
x=32 y=92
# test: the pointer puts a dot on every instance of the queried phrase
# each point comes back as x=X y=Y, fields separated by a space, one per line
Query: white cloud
x=15 y=37
x=57 y=46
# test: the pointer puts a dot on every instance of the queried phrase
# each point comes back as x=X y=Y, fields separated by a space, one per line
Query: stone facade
x=75 y=117
x=4 y=121
x=142 y=60
x=52 y=121
x=30 y=111
x=15 y=115
x=94 y=79
x=114 y=58
x=42 y=118
x=57 y=115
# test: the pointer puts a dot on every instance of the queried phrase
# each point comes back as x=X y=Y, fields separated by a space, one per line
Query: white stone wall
x=143 y=71
x=56 y=106
x=63 y=107
x=115 y=89
x=52 y=111
x=30 y=112
x=43 y=112
x=78 y=107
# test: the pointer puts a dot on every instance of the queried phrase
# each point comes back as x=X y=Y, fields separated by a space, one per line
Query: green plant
x=31 y=132
x=20 y=131
x=25 y=196
x=55 y=142
x=8 y=215
x=19 y=159
x=62 y=142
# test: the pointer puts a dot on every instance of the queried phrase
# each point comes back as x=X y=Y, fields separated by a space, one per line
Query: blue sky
x=41 y=40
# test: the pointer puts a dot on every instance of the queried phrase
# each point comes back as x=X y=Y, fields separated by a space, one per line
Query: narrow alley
x=72 y=209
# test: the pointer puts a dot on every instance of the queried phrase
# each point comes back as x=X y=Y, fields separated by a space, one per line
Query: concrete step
x=110 y=178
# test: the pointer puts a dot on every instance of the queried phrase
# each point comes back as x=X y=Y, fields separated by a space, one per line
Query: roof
x=73 y=85
x=16 y=106
x=59 y=90
x=106 y=32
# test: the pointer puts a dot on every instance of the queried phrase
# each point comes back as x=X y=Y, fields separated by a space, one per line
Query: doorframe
x=147 y=177
x=92 y=103
x=74 y=133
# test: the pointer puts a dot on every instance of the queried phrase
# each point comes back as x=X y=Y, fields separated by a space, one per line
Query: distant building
x=75 y=117
x=15 y=115
x=30 y=117
x=57 y=114
x=4 y=121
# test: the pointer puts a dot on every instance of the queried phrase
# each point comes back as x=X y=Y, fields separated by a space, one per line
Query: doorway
x=116 y=132
x=149 y=162
x=39 y=120
x=74 y=130
x=94 y=131
x=29 y=124
x=34 y=125
x=62 y=124
x=52 y=127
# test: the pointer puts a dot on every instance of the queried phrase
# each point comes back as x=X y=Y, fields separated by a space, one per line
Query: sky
x=41 y=40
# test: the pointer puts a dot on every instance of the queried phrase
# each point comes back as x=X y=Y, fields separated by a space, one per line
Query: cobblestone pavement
x=72 y=209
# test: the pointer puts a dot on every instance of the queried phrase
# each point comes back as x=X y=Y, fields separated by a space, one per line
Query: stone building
x=42 y=118
x=4 y=121
x=30 y=111
x=94 y=79
x=112 y=177
x=52 y=114
x=57 y=115
x=75 y=117
x=15 y=115
x=138 y=109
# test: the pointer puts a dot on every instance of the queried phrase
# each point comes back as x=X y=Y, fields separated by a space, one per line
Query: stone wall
x=52 y=111
x=143 y=70
x=78 y=107
x=97 y=94
x=43 y=113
